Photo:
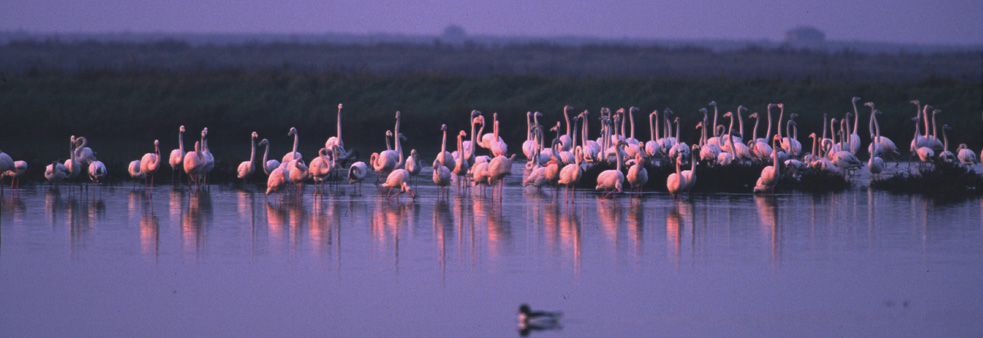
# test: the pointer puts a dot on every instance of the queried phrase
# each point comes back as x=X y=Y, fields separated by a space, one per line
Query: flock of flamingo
x=560 y=162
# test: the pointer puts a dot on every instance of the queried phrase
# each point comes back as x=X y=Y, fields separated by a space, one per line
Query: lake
x=231 y=262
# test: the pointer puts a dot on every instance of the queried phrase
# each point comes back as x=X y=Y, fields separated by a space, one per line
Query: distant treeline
x=598 y=60
x=123 y=109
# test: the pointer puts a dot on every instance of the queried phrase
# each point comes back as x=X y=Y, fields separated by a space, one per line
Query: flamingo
x=72 y=163
x=854 y=137
x=920 y=140
x=733 y=143
x=946 y=155
x=759 y=149
x=6 y=162
x=246 y=168
x=498 y=168
x=268 y=165
x=149 y=164
x=18 y=169
x=468 y=146
x=934 y=142
x=97 y=171
x=176 y=160
x=566 y=141
x=537 y=176
x=445 y=158
x=385 y=161
x=676 y=182
x=488 y=140
x=209 y=160
x=570 y=174
x=529 y=145
x=441 y=178
x=293 y=154
x=875 y=164
x=611 y=180
x=652 y=148
x=690 y=175
x=844 y=159
x=637 y=175
x=297 y=172
x=321 y=166
x=925 y=153
x=357 y=173
x=275 y=182
x=965 y=155
x=397 y=180
x=769 y=175
x=336 y=145
x=57 y=172
x=134 y=170
x=84 y=154
x=479 y=174
x=194 y=163
x=413 y=164
x=462 y=166
x=499 y=147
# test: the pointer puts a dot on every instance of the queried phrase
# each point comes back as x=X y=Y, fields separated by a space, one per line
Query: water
x=231 y=262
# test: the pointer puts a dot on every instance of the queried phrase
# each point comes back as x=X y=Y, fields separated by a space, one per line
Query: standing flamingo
x=293 y=154
x=149 y=164
x=965 y=155
x=445 y=158
x=676 y=182
x=637 y=175
x=334 y=145
x=268 y=165
x=176 y=159
x=441 y=178
x=246 y=168
x=57 y=172
x=413 y=164
x=570 y=174
x=322 y=166
x=357 y=173
x=770 y=174
x=462 y=166
x=611 y=180
x=194 y=163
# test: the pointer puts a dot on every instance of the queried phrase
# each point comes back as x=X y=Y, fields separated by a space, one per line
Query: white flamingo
x=769 y=175
x=397 y=180
x=149 y=164
x=461 y=166
x=357 y=173
x=676 y=182
x=529 y=145
x=965 y=155
x=293 y=154
x=268 y=165
x=297 y=172
x=56 y=172
x=441 y=178
x=246 y=168
x=637 y=175
x=946 y=155
x=566 y=140
x=854 y=137
x=84 y=154
x=385 y=161
x=194 y=164
x=337 y=147
x=322 y=166
x=445 y=158
x=176 y=159
x=570 y=174
x=276 y=181
x=498 y=168
x=413 y=164
x=612 y=180
x=690 y=175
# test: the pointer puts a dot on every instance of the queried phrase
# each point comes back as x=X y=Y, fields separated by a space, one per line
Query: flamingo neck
x=768 y=130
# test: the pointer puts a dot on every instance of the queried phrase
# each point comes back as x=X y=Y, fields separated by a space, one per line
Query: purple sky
x=913 y=21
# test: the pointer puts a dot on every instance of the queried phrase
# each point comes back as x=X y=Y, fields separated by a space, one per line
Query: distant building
x=805 y=35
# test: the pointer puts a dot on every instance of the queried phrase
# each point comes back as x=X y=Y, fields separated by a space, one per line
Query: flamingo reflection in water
x=768 y=211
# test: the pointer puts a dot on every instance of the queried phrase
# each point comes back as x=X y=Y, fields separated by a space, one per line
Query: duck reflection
x=768 y=213
x=195 y=221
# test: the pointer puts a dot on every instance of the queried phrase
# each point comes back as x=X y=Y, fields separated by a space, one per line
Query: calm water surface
x=231 y=262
